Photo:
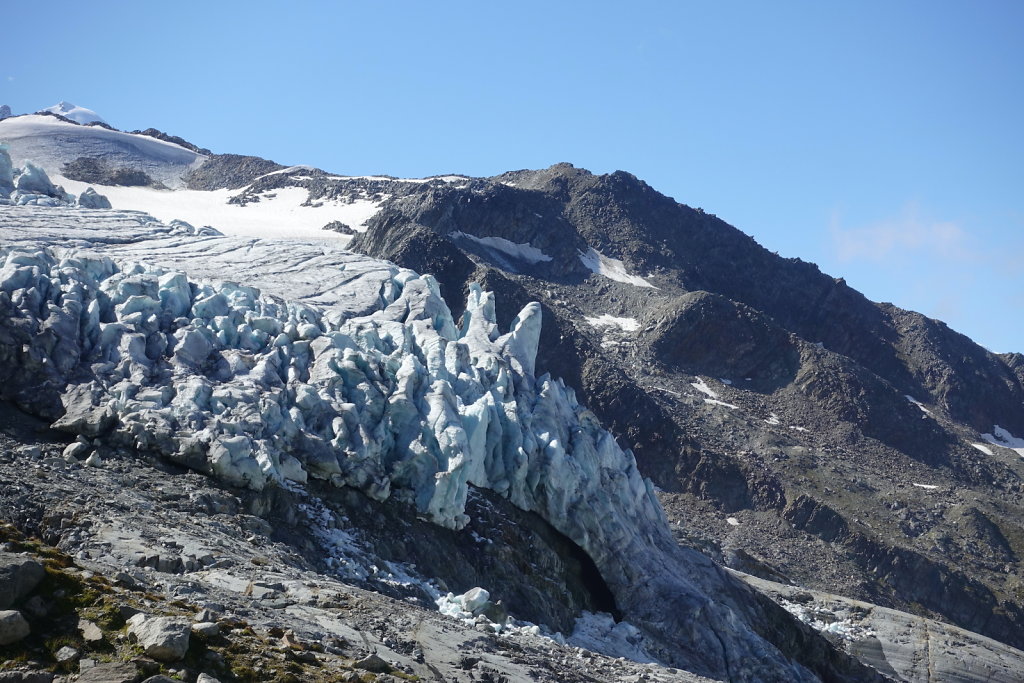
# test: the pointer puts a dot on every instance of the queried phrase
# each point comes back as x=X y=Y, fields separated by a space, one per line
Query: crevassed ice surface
x=260 y=361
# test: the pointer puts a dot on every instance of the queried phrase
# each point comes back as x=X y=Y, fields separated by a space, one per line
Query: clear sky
x=882 y=140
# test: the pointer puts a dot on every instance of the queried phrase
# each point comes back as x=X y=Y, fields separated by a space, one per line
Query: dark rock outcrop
x=228 y=170
x=181 y=142
x=92 y=170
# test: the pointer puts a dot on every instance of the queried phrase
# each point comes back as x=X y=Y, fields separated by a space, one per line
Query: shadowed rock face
x=819 y=392
x=704 y=333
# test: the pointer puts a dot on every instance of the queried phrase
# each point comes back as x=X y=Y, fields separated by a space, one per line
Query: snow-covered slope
x=51 y=143
x=278 y=214
x=75 y=113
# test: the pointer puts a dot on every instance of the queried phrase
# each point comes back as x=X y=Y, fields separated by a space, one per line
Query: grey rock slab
x=67 y=654
x=208 y=629
x=162 y=638
x=91 y=633
x=13 y=627
x=110 y=673
x=905 y=646
x=25 y=677
x=19 y=575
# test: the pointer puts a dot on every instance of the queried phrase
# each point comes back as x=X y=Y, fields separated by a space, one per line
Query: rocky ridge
x=751 y=385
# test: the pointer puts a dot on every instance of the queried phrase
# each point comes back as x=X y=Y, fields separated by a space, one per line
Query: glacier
x=315 y=363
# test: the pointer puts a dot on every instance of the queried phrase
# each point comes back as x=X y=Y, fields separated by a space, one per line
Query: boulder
x=76 y=449
x=162 y=638
x=13 y=627
x=67 y=654
x=207 y=629
x=18 y=577
x=373 y=663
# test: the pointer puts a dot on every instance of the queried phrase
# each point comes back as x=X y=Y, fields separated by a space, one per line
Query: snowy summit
x=75 y=113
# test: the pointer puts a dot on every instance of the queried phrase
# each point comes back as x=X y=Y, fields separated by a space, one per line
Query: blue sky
x=881 y=140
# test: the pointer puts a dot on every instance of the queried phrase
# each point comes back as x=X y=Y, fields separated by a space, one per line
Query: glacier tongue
x=236 y=383
x=392 y=398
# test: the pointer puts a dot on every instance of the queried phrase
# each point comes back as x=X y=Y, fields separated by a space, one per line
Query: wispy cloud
x=10 y=78
x=908 y=234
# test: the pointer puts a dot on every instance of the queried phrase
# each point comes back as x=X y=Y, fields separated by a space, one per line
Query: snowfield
x=51 y=143
x=277 y=214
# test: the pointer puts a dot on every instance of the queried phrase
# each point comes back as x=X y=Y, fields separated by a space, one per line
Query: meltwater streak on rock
x=396 y=400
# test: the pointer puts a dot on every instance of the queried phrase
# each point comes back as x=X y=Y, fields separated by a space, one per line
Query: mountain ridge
x=794 y=428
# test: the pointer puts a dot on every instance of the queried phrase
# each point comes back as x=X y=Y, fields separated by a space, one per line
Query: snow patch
x=1003 y=438
x=773 y=419
x=732 y=521
x=278 y=214
x=702 y=386
x=290 y=169
x=983 y=448
x=624 y=324
x=384 y=178
x=613 y=269
x=716 y=402
x=927 y=487
x=523 y=252
x=918 y=404
x=712 y=396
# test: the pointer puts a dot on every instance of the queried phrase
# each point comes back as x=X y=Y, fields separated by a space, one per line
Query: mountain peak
x=75 y=113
